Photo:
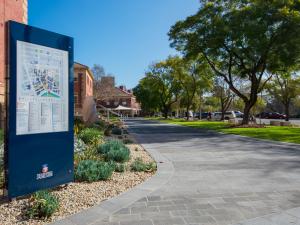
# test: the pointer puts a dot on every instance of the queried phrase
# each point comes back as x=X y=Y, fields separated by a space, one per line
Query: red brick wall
x=9 y=10
x=15 y=10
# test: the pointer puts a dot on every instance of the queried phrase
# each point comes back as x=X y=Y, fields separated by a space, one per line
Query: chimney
x=122 y=87
x=108 y=81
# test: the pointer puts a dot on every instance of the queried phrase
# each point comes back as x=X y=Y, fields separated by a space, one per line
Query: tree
x=224 y=94
x=160 y=82
x=147 y=96
x=242 y=39
x=285 y=86
x=98 y=71
x=192 y=75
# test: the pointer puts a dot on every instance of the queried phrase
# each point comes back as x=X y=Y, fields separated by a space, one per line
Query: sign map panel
x=42 y=89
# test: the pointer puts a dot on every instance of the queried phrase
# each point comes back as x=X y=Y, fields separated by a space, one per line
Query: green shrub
x=42 y=205
x=90 y=153
x=100 y=123
x=79 y=145
x=90 y=136
x=92 y=170
x=114 y=150
x=120 y=168
x=116 y=131
x=139 y=166
x=108 y=128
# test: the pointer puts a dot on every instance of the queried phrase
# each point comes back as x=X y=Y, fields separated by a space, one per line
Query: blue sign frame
x=31 y=155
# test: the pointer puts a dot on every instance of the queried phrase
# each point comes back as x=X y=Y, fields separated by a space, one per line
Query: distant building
x=83 y=86
x=112 y=97
x=15 y=10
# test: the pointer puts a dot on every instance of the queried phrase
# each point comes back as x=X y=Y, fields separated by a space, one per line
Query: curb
x=96 y=214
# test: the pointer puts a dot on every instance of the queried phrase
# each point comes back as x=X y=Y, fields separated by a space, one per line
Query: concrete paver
x=217 y=179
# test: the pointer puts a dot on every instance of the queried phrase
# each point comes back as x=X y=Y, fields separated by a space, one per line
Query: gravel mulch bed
x=78 y=196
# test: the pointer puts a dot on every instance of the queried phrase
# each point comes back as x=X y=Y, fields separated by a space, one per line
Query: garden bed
x=80 y=195
x=107 y=163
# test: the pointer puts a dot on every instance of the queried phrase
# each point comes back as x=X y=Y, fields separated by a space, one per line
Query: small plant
x=114 y=150
x=79 y=145
x=90 y=153
x=120 y=168
x=92 y=170
x=42 y=205
x=139 y=166
x=90 y=136
x=116 y=131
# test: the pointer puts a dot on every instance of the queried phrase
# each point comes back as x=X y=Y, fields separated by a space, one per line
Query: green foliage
x=139 y=166
x=120 y=167
x=114 y=150
x=238 y=48
x=79 y=145
x=89 y=153
x=116 y=131
x=92 y=170
x=91 y=136
x=42 y=205
x=159 y=89
x=285 y=87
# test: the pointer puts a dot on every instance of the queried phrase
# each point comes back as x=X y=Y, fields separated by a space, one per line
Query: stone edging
x=165 y=171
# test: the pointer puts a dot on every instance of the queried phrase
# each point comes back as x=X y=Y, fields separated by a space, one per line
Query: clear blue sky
x=124 y=36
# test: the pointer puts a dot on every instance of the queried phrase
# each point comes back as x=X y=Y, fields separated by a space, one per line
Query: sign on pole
x=40 y=137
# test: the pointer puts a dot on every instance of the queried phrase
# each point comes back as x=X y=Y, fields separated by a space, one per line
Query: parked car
x=239 y=114
x=277 y=115
x=227 y=115
x=204 y=115
x=263 y=115
x=273 y=115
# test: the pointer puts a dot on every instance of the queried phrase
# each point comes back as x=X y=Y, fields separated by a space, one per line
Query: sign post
x=40 y=137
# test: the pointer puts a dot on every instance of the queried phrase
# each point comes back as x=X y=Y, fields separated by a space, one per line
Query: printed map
x=41 y=73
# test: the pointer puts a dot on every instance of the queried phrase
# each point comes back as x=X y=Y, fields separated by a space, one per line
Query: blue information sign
x=40 y=137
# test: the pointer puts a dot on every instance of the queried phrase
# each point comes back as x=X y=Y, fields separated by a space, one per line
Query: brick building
x=110 y=96
x=15 y=10
x=83 y=86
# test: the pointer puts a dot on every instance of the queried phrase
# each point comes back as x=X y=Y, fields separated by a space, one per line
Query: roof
x=82 y=66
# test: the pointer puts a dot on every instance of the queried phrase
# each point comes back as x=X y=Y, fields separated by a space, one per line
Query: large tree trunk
x=248 y=106
x=246 y=113
x=187 y=113
x=165 y=112
x=287 y=111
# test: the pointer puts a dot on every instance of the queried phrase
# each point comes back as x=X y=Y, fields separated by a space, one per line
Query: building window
x=116 y=103
x=124 y=103
x=107 y=103
x=75 y=79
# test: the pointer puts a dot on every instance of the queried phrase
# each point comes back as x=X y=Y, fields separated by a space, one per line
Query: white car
x=227 y=116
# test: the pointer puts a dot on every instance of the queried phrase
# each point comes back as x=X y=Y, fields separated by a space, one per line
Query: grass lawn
x=275 y=133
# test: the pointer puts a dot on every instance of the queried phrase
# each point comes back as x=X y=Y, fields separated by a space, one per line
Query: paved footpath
x=208 y=178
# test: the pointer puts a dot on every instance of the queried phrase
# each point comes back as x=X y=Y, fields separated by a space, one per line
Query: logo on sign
x=45 y=173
